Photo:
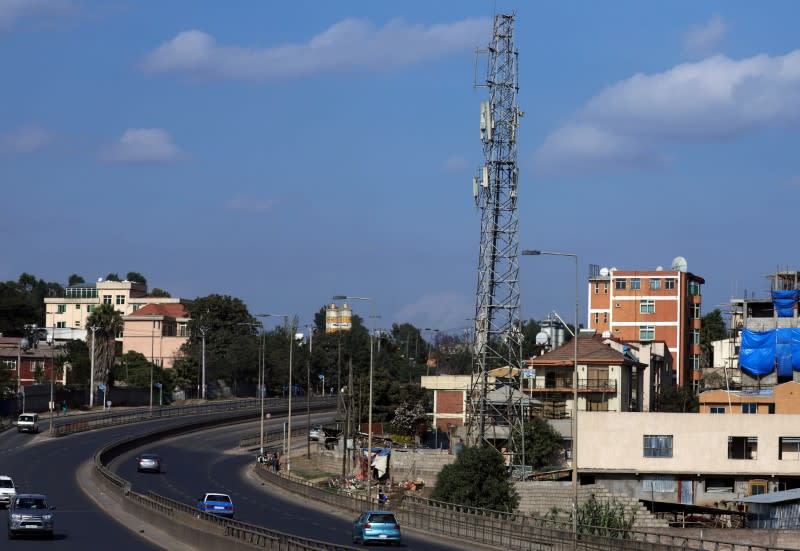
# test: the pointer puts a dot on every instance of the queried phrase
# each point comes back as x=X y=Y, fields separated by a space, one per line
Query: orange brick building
x=782 y=398
x=657 y=305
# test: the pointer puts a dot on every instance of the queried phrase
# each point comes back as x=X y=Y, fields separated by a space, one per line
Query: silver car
x=30 y=514
x=7 y=490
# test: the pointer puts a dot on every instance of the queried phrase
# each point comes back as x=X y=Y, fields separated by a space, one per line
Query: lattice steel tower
x=493 y=406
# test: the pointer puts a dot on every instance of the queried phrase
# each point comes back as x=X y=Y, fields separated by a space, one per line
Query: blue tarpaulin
x=785 y=302
x=762 y=351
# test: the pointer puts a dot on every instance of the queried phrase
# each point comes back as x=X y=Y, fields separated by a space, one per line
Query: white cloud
x=716 y=99
x=25 y=140
x=144 y=145
x=456 y=163
x=12 y=11
x=702 y=40
x=248 y=204
x=350 y=45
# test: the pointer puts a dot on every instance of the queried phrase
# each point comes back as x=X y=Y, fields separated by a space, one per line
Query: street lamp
x=574 y=386
x=289 y=427
x=369 y=415
x=311 y=328
x=94 y=329
x=203 y=330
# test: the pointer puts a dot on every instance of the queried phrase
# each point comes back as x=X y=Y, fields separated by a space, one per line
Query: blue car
x=376 y=526
x=216 y=504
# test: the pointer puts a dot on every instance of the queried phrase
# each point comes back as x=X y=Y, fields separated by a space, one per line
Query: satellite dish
x=24 y=344
x=679 y=264
x=604 y=272
x=613 y=268
x=542 y=338
x=659 y=268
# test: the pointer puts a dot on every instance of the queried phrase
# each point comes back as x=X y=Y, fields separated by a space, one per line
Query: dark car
x=216 y=504
x=149 y=462
x=376 y=526
x=30 y=514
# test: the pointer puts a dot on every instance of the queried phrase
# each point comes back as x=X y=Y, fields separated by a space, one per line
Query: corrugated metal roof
x=773 y=497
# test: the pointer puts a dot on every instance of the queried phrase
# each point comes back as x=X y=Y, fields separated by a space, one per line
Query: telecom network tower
x=493 y=410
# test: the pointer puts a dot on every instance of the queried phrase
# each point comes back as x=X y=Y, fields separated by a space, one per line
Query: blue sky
x=286 y=152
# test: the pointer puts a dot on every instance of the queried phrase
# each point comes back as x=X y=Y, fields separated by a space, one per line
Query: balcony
x=564 y=384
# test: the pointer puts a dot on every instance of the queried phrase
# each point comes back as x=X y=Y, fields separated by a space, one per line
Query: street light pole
x=369 y=415
x=263 y=367
x=308 y=390
x=91 y=368
x=574 y=386
x=203 y=382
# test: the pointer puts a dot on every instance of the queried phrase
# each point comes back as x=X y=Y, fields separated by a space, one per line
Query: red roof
x=170 y=310
x=591 y=350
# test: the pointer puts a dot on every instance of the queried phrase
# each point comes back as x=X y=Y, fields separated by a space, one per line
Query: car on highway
x=376 y=526
x=28 y=422
x=149 y=462
x=316 y=433
x=216 y=504
x=30 y=514
x=7 y=490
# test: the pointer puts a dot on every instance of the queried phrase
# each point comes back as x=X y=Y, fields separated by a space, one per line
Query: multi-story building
x=658 y=305
x=30 y=365
x=156 y=331
x=781 y=398
x=66 y=316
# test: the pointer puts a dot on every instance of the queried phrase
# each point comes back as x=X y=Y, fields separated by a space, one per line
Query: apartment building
x=30 y=365
x=768 y=400
x=156 y=331
x=645 y=306
x=66 y=316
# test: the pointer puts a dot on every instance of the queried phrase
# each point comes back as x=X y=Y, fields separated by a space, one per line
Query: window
x=605 y=288
x=596 y=403
x=636 y=283
x=647 y=332
x=77 y=306
x=62 y=308
x=61 y=325
x=120 y=299
x=596 y=318
x=695 y=361
x=789 y=448
x=605 y=317
x=719 y=484
x=647 y=306
x=669 y=283
x=183 y=329
x=657 y=445
x=596 y=288
x=620 y=284
x=694 y=311
x=77 y=323
x=655 y=284
x=771 y=409
x=106 y=299
x=9 y=364
x=717 y=409
x=695 y=336
x=90 y=307
x=136 y=307
x=749 y=408
x=742 y=447
x=694 y=288
x=656 y=483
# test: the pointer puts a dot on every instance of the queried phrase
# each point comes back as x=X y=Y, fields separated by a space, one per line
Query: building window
x=742 y=447
x=9 y=364
x=719 y=484
x=77 y=323
x=605 y=317
x=694 y=311
x=61 y=325
x=655 y=284
x=749 y=408
x=669 y=283
x=77 y=306
x=61 y=309
x=596 y=403
x=647 y=306
x=636 y=283
x=90 y=307
x=647 y=332
x=596 y=318
x=694 y=288
x=695 y=359
x=120 y=299
x=717 y=409
x=657 y=445
x=771 y=409
x=183 y=329
x=136 y=307
x=605 y=288
x=106 y=299
x=789 y=448
x=620 y=284
x=695 y=336
x=596 y=288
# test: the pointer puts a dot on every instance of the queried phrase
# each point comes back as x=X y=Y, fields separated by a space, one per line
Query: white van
x=28 y=422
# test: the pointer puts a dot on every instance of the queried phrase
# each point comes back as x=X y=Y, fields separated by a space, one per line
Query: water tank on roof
x=555 y=332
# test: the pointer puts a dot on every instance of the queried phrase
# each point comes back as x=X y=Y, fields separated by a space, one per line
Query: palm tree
x=108 y=324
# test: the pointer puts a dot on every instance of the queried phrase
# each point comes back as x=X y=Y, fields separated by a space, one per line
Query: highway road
x=196 y=463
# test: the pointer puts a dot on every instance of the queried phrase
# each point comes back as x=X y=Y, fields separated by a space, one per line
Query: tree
x=108 y=323
x=543 y=444
x=407 y=418
x=675 y=399
x=136 y=276
x=112 y=277
x=76 y=359
x=156 y=292
x=712 y=329
x=75 y=279
x=477 y=478
x=137 y=372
